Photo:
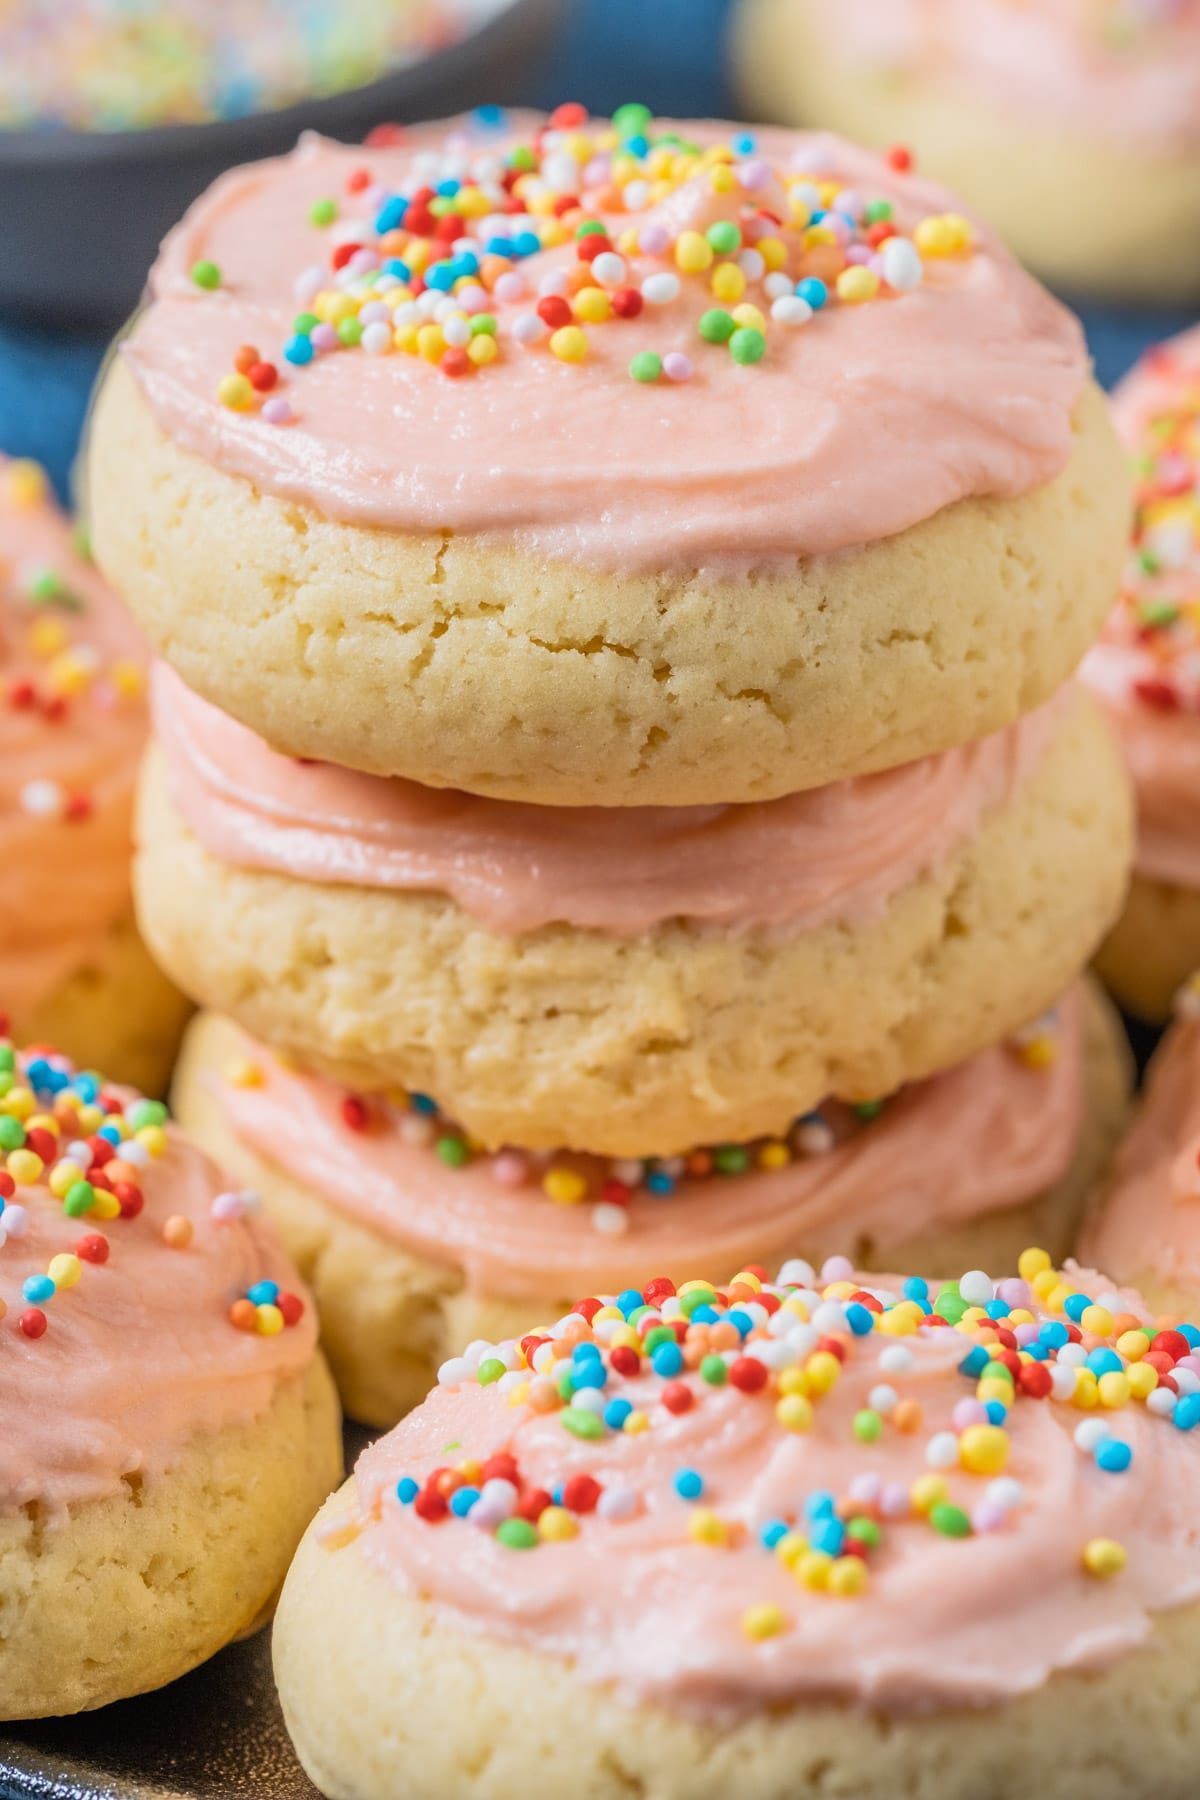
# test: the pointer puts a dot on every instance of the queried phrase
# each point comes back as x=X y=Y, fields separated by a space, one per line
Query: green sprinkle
x=566 y=1385
x=1158 y=612
x=453 y=1152
x=322 y=212
x=517 y=1534
x=747 y=345
x=489 y=1370
x=206 y=274
x=632 y=119
x=868 y=1426
x=878 y=212
x=350 y=332
x=714 y=1371
x=146 y=1112
x=865 y=1531
x=80 y=1198
x=661 y=1334
x=646 y=366
x=951 y=1521
x=81 y=538
x=724 y=237
x=701 y=1296
x=731 y=1159
x=591 y=228
x=950 y=1304
x=996 y=1371
x=8 y=1057
x=582 y=1424
x=483 y=325
x=1148 y=563
x=305 y=322
x=46 y=587
x=12 y=1132
x=717 y=326
x=522 y=157
x=866 y=1110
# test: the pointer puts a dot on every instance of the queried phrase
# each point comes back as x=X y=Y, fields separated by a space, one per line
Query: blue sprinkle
x=629 y=1301
x=637 y=145
x=616 y=1413
x=465 y=263
x=110 y=1133
x=974 y=1361
x=263 y=1293
x=526 y=243
x=489 y=116
x=590 y=1375
x=667 y=1360
x=744 y=143
x=916 y=1289
x=441 y=277
x=87 y=1087
x=462 y=1500
x=814 y=291
x=1113 y=1455
x=1076 y=1305
x=406 y=1490
x=1038 y=1351
x=400 y=269
x=586 y=1352
x=299 y=350
x=1103 y=1361
x=860 y=1318
x=996 y=1309
x=499 y=246
x=658 y=1182
x=689 y=1484
x=391 y=214
x=741 y=1321
x=705 y=1315
x=1054 y=1334
x=771 y=1533
x=448 y=188
x=421 y=1103
x=828 y=1535
x=996 y=1411
x=821 y=1504
x=557 y=1492
x=1187 y=1412
x=37 y=1288
x=1191 y=1333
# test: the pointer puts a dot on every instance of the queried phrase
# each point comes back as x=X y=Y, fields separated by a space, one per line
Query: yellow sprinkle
x=44 y=1122
x=764 y=1621
x=773 y=251
x=693 y=253
x=47 y=637
x=812 y=1569
x=64 y=1175
x=569 y=344
x=555 y=1525
x=566 y=1187
x=64 y=1270
x=1142 y=1379
x=774 y=1155
x=1114 y=1388
x=823 y=1370
x=791 y=1548
x=994 y=1388
x=235 y=392
x=1103 y=1557
x=794 y=1412
x=856 y=284
x=744 y=1278
x=793 y=1381
x=983 y=1449
x=268 y=1320
x=430 y=343
x=483 y=349
x=848 y=1576
x=25 y=482
x=749 y=316
x=1039 y=1052
x=1032 y=1262
x=1087 y=1390
x=704 y=1527
x=636 y=1422
x=152 y=1138
x=722 y=179
x=24 y=1166
x=592 y=305
x=1044 y=1283
x=128 y=680
x=519 y=1394
x=104 y=1206
x=1133 y=1345
x=928 y=1491
x=728 y=283
x=19 y=1102
x=1096 y=1319
x=1056 y=1299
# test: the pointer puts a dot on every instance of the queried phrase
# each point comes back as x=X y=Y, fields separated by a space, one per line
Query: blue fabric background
x=668 y=53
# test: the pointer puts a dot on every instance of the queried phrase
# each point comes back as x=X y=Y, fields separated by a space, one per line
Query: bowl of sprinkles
x=101 y=103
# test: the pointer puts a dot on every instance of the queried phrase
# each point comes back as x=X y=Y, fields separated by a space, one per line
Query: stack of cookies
x=619 y=787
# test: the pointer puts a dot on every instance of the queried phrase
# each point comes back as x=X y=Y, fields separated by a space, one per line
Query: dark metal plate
x=216 y=1735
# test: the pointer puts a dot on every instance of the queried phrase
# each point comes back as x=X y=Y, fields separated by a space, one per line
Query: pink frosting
x=1149 y=1227
x=64 y=882
x=1125 y=69
x=838 y=852
x=139 y=1357
x=945 y=1622
x=1148 y=675
x=991 y=1133
x=870 y=421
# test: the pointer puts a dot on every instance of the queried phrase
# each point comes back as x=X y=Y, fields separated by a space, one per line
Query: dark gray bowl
x=82 y=213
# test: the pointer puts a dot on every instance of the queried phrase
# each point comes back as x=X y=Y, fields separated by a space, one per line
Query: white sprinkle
x=529 y=329
x=790 y=309
x=797 y=1273
x=903 y=269
x=753 y=264
x=16 y=1219
x=456 y=330
x=660 y=290
x=1091 y=1433
x=977 y=1288
x=608 y=268
x=610 y=1220
x=829 y=1317
x=883 y=1399
x=777 y=285
x=377 y=339
x=453 y=1372
x=628 y=1170
x=941 y=1452
x=1062 y=1381
x=897 y=1359
x=618 y=1503
x=43 y=800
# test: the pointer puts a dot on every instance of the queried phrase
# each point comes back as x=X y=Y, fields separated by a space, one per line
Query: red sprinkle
x=356 y=1115
x=1170 y=1343
x=553 y=310
x=92 y=1248
x=454 y=362
x=899 y=157
x=567 y=116
x=581 y=1493
x=533 y=1503
x=1035 y=1380
x=593 y=245
x=292 y=1308
x=748 y=1374
x=625 y=1360
x=431 y=1506
x=262 y=377
x=33 y=1322
x=130 y=1197
x=677 y=1397
x=342 y=254
x=502 y=1467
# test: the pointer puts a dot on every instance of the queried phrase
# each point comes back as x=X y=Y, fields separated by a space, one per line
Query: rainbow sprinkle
x=452 y=267
x=631 y=1362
